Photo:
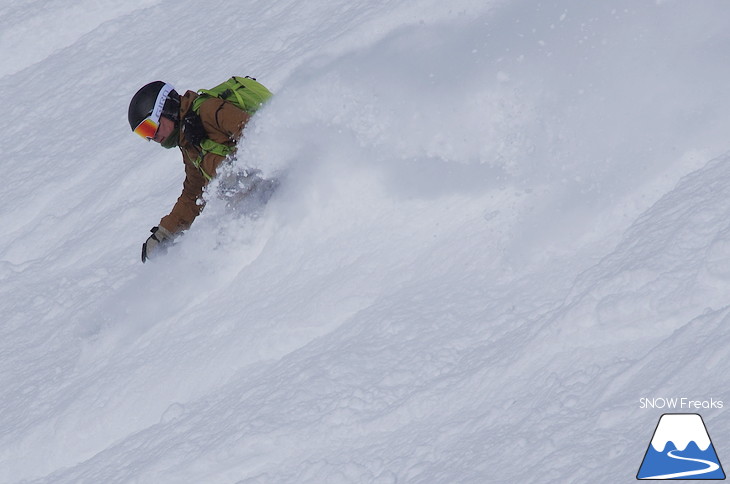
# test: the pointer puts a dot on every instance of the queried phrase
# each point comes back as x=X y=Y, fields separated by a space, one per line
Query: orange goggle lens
x=147 y=129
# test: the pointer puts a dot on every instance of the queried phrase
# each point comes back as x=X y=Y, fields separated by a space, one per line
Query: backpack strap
x=203 y=95
x=197 y=163
x=195 y=135
x=209 y=146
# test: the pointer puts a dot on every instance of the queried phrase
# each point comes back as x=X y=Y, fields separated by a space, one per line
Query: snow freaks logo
x=681 y=449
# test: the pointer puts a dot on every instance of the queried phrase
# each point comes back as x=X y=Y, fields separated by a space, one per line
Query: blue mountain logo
x=681 y=449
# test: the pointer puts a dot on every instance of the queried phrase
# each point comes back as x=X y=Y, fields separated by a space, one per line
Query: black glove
x=157 y=243
x=193 y=129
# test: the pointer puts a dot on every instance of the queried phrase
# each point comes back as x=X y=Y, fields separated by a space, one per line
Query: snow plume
x=498 y=226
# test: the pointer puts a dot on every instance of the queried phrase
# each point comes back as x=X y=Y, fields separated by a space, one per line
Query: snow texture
x=500 y=224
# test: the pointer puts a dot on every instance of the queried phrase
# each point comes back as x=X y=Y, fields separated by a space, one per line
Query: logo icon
x=681 y=449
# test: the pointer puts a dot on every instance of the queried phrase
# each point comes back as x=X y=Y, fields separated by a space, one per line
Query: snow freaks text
x=680 y=403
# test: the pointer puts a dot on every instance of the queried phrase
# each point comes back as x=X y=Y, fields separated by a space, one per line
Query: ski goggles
x=149 y=126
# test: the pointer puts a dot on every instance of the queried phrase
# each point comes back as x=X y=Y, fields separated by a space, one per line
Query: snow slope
x=502 y=223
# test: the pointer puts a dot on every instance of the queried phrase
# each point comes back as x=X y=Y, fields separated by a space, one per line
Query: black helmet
x=154 y=100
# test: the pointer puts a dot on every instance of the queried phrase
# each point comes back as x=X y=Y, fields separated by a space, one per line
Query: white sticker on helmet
x=160 y=102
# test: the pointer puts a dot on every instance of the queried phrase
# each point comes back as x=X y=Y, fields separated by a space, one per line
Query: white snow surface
x=502 y=223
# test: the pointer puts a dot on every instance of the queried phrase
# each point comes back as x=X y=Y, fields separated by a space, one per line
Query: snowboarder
x=206 y=131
